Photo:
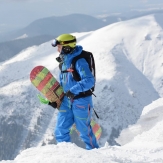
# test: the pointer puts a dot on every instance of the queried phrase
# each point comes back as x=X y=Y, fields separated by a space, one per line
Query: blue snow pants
x=78 y=112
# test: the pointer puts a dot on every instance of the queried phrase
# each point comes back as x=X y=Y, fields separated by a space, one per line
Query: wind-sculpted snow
x=128 y=58
x=146 y=147
x=67 y=152
x=148 y=128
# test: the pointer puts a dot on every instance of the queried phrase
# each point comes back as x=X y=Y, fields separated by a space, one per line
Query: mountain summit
x=128 y=58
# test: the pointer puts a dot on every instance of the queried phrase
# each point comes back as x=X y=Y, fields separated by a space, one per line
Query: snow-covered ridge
x=147 y=146
x=21 y=37
x=129 y=77
x=147 y=131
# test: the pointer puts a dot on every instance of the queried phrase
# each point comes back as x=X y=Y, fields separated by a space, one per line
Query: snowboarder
x=77 y=104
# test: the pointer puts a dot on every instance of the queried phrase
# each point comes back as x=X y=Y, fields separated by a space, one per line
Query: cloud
x=2 y=25
x=144 y=1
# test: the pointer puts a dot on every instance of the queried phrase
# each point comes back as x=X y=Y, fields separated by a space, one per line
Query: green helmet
x=67 y=40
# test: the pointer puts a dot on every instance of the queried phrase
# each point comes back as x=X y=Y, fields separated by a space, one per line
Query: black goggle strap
x=66 y=42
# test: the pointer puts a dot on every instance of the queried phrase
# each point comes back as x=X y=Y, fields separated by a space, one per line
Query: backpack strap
x=89 y=58
x=83 y=94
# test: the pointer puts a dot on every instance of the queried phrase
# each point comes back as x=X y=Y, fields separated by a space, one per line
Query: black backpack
x=88 y=56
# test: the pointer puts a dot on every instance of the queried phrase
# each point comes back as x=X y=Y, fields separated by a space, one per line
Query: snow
x=129 y=99
x=146 y=147
x=148 y=128
x=21 y=37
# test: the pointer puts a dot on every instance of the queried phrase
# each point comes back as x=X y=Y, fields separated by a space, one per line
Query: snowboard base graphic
x=95 y=127
x=47 y=84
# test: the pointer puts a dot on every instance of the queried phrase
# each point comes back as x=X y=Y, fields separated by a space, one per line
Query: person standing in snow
x=77 y=104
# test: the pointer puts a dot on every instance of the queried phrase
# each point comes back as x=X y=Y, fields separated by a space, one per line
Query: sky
x=19 y=13
x=128 y=57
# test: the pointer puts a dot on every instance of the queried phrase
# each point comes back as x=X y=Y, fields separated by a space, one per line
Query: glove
x=53 y=104
x=70 y=95
x=43 y=100
x=46 y=101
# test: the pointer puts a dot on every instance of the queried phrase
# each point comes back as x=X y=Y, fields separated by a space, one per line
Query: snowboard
x=95 y=127
x=47 y=84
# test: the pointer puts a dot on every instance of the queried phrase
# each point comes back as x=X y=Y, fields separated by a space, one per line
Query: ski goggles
x=55 y=42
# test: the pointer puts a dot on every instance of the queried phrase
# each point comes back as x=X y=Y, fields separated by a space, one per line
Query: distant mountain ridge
x=58 y=25
x=45 y=29
x=10 y=48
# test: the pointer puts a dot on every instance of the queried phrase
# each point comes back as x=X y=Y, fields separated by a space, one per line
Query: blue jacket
x=82 y=67
x=76 y=111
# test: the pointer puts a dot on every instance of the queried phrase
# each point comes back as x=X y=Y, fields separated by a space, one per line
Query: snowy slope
x=128 y=78
x=148 y=129
x=147 y=146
